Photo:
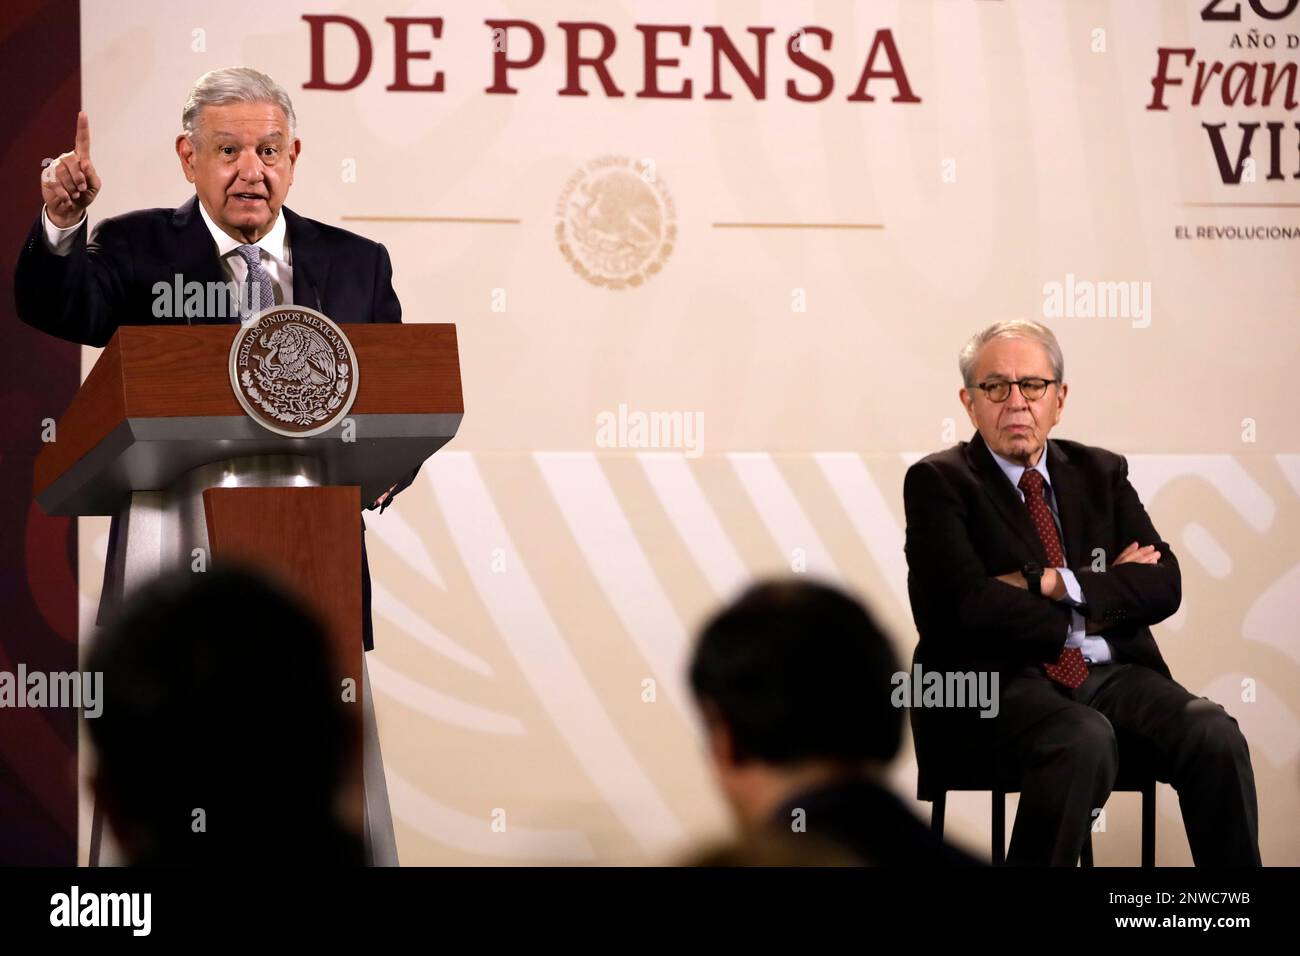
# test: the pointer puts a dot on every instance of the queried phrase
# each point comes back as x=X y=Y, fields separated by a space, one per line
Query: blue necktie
x=258 y=292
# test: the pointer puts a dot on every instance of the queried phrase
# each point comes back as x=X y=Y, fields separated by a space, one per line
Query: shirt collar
x=1013 y=471
x=274 y=243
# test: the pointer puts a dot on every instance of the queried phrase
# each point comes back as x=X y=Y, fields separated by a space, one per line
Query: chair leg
x=936 y=812
x=999 y=827
x=1085 y=858
x=1149 y=825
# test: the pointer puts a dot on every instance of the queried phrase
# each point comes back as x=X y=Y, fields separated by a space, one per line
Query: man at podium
x=238 y=146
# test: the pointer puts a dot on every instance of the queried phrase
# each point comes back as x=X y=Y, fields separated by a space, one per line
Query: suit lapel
x=1068 y=488
x=994 y=484
x=311 y=266
x=196 y=253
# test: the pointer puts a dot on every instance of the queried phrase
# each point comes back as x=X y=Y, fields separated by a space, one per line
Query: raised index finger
x=83 y=135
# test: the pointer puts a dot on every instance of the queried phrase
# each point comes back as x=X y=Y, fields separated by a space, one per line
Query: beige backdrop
x=534 y=579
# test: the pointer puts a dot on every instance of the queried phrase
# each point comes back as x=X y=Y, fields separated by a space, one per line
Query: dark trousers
x=1061 y=747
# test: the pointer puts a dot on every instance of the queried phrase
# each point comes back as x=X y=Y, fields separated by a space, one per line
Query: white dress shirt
x=1096 y=650
x=277 y=257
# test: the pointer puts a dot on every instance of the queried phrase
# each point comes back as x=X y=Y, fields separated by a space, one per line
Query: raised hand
x=70 y=184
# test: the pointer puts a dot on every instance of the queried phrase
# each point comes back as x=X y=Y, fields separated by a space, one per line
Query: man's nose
x=250 y=168
x=1017 y=398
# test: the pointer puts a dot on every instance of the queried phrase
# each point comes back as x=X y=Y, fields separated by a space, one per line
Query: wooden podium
x=156 y=438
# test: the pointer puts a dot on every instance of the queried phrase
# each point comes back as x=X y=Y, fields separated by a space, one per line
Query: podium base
x=381 y=842
x=163 y=531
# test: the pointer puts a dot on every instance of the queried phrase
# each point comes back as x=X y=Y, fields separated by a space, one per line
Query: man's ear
x=294 y=151
x=968 y=403
x=185 y=151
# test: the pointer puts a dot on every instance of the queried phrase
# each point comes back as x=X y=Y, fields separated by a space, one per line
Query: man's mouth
x=249 y=197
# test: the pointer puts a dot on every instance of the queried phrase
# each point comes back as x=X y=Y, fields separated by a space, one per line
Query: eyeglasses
x=1031 y=388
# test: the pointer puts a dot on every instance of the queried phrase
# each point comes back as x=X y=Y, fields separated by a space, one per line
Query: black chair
x=1135 y=783
x=940 y=770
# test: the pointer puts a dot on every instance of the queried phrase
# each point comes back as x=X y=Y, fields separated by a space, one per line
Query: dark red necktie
x=1070 y=670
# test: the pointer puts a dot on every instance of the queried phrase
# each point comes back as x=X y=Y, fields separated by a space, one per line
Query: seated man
x=794 y=681
x=1035 y=560
x=223 y=739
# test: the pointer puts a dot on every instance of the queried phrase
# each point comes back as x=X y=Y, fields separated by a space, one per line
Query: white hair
x=234 y=84
x=1011 y=329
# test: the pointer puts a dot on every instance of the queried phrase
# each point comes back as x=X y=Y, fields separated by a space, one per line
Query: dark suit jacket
x=872 y=824
x=108 y=280
x=966 y=524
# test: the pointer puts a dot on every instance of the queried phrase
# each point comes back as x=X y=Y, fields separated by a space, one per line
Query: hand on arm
x=1135 y=555
x=384 y=497
x=1053 y=584
x=1142 y=585
x=954 y=597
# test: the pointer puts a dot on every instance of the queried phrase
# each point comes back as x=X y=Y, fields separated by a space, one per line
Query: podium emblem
x=293 y=371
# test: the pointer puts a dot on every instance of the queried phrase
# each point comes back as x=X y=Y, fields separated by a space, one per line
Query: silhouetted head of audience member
x=794 y=683
x=224 y=737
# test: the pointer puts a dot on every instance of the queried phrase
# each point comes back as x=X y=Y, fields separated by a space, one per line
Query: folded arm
x=943 y=566
x=1133 y=592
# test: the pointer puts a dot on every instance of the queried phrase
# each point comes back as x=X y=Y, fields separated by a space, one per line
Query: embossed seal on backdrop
x=616 y=223
x=294 y=371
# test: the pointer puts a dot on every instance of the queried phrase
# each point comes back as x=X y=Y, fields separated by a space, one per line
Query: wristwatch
x=1033 y=573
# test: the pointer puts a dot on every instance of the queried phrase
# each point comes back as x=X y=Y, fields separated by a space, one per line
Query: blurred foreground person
x=772 y=848
x=794 y=682
x=223 y=738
